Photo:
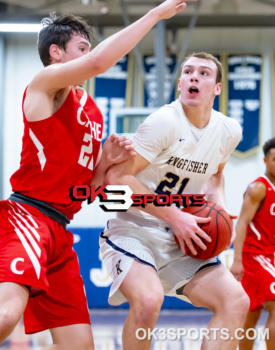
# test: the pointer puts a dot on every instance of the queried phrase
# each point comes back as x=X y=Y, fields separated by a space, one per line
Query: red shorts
x=37 y=252
x=259 y=279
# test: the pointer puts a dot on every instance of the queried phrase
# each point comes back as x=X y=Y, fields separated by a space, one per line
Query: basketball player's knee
x=238 y=305
x=84 y=346
x=243 y=305
x=243 y=299
x=8 y=320
x=235 y=305
x=147 y=307
x=81 y=342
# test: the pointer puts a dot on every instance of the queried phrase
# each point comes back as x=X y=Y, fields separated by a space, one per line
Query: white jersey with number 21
x=182 y=157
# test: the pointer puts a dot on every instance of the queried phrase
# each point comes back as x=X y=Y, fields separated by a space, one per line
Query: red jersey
x=60 y=152
x=260 y=233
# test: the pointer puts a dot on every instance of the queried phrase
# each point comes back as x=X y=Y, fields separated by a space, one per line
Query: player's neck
x=197 y=115
x=270 y=177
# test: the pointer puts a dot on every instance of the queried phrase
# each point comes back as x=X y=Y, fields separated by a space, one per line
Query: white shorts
x=123 y=241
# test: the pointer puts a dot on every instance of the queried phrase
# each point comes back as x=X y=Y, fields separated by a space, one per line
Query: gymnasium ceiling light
x=102 y=4
x=20 y=27
x=85 y=2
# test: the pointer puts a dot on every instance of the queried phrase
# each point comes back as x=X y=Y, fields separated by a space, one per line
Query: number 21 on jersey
x=170 y=182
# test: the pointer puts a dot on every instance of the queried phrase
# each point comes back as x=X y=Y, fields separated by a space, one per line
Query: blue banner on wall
x=110 y=91
x=96 y=279
x=149 y=62
x=244 y=93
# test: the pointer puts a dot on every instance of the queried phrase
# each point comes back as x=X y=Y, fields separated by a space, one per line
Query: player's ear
x=55 y=53
x=218 y=89
x=179 y=84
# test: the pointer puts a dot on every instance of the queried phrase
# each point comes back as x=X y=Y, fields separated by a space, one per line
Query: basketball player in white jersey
x=182 y=149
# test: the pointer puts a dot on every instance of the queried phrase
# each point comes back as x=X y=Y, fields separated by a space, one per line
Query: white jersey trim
x=34 y=232
x=257 y=233
x=41 y=155
x=265 y=264
x=29 y=216
x=28 y=249
x=84 y=97
x=270 y=183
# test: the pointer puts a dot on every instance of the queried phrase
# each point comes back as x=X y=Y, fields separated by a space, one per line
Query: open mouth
x=193 y=90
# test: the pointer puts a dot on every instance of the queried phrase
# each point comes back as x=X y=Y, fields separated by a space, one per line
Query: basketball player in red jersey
x=39 y=272
x=254 y=248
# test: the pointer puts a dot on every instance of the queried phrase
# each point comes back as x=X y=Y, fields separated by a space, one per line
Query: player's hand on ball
x=219 y=229
x=187 y=232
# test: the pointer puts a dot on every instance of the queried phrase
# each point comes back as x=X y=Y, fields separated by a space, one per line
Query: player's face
x=270 y=162
x=77 y=47
x=197 y=83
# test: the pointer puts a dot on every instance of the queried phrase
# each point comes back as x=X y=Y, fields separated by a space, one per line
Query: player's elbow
x=97 y=64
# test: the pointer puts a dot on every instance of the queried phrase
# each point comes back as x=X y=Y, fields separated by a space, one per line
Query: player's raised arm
x=108 y=52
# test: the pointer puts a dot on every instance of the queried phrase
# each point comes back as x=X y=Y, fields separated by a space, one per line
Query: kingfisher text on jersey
x=189 y=165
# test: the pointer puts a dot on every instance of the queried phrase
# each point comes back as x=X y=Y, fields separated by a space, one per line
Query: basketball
x=219 y=228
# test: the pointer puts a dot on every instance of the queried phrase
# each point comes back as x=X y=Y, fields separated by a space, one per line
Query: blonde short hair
x=207 y=56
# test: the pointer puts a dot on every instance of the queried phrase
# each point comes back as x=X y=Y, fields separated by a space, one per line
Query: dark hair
x=207 y=56
x=59 y=31
x=268 y=145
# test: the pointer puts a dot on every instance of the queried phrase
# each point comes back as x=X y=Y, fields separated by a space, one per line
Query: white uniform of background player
x=182 y=148
x=182 y=159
